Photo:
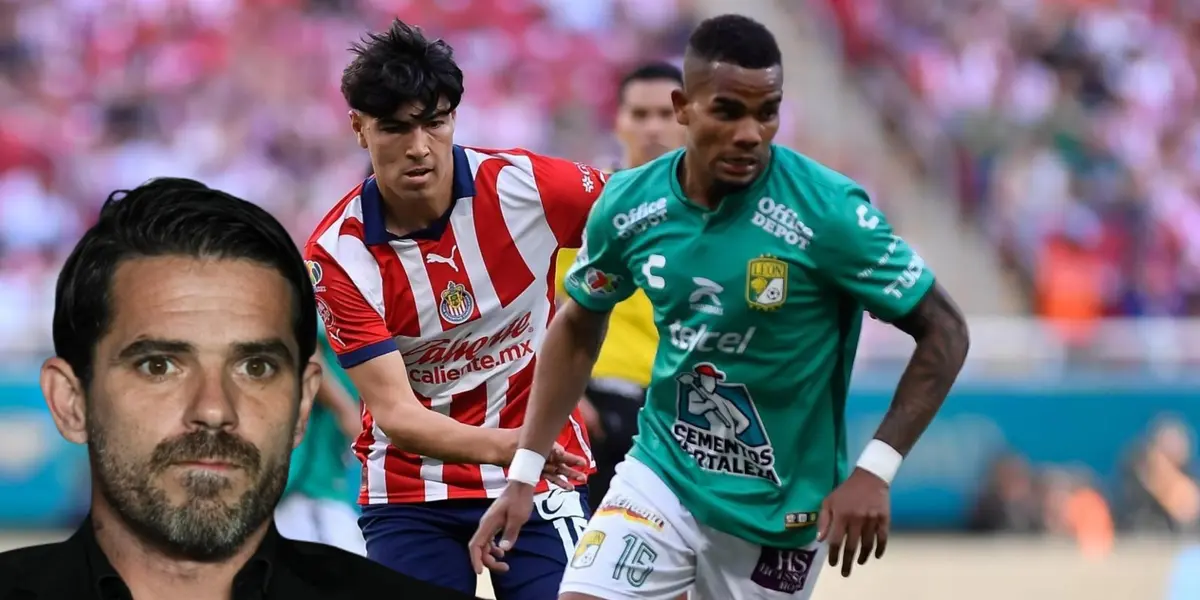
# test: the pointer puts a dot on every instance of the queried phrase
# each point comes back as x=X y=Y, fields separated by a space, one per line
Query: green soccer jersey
x=759 y=306
x=320 y=469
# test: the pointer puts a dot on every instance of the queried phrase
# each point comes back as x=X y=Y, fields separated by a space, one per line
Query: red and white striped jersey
x=466 y=301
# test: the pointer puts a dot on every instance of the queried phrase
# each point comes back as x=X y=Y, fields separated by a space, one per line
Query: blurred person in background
x=1159 y=490
x=646 y=128
x=175 y=364
x=1008 y=502
x=319 y=503
x=434 y=280
x=1072 y=507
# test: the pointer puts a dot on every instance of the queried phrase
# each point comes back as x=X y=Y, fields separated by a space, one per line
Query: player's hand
x=504 y=517
x=562 y=469
x=856 y=517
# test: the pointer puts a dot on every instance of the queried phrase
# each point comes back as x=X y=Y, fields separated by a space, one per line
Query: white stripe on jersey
x=422 y=290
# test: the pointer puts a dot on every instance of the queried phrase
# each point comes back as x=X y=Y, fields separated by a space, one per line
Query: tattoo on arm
x=942 y=343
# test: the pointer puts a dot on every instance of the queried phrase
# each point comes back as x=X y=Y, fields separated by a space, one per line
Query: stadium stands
x=244 y=95
x=1073 y=130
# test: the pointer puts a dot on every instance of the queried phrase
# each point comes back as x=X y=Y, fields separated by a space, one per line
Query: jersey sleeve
x=599 y=278
x=355 y=330
x=568 y=191
x=858 y=250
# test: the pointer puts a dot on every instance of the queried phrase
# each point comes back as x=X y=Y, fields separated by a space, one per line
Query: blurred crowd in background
x=1155 y=492
x=98 y=95
x=1069 y=129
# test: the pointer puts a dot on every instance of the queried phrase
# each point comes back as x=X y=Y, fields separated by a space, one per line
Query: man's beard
x=204 y=528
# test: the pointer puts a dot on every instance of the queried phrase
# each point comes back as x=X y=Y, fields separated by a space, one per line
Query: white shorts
x=299 y=517
x=642 y=544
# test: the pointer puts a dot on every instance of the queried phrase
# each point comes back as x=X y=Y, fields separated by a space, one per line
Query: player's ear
x=357 y=124
x=679 y=101
x=66 y=399
x=310 y=386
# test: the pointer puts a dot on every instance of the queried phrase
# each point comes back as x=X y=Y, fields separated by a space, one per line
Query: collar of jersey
x=725 y=207
x=374 y=227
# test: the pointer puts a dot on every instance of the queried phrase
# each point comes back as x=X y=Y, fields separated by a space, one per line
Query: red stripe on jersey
x=452 y=292
x=468 y=408
x=505 y=265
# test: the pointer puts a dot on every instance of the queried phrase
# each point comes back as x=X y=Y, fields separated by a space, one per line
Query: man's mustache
x=198 y=446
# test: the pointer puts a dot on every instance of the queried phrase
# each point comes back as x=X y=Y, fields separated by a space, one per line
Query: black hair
x=164 y=217
x=655 y=71
x=736 y=40
x=398 y=67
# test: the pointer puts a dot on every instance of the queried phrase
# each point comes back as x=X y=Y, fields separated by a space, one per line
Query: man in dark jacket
x=184 y=332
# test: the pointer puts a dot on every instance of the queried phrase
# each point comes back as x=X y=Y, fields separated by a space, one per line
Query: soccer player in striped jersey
x=647 y=129
x=434 y=279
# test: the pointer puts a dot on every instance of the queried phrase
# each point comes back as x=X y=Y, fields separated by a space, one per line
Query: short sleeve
x=355 y=330
x=858 y=250
x=568 y=191
x=599 y=278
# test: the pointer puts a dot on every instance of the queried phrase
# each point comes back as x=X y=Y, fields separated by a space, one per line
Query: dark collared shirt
x=251 y=583
x=280 y=569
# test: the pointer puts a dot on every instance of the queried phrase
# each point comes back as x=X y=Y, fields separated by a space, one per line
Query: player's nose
x=748 y=134
x=419 y=148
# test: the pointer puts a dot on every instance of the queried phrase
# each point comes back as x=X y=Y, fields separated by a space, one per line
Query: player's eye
x=257 y=368
x=156 y=367
x=436 y=124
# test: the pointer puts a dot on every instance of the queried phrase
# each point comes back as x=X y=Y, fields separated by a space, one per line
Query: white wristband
x=881 y=460
x=526 y=466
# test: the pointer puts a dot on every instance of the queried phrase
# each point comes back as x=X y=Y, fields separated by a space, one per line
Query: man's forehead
x=648 y=92
x=168 y=296
x=729 y=76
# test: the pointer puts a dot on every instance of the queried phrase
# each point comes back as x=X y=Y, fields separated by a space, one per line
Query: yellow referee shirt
x=629 y=347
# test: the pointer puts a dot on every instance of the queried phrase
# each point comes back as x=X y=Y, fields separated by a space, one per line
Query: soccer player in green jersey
x=760 y=263
x=318 y=504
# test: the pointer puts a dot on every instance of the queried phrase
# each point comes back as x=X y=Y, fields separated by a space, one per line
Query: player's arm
x=596 y=282
x=366 y=349
x=563 y=369
x=880 y=270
